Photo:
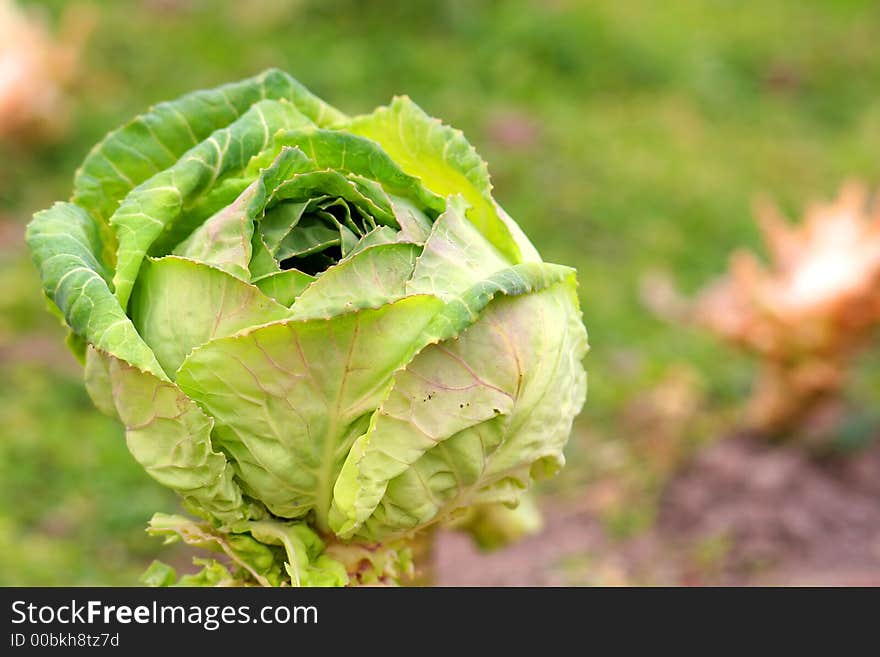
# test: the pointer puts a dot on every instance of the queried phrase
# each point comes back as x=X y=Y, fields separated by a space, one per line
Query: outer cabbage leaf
x=306 y=565
x=154 y=141
x=158 y=574
x=250 y=547
x=65 y=244
x=496 y=525
x=455 y=256
x=289 y=398
x=170 y=436
x=179 y=305
x=97 y=381
x=447 y=164
x=469 y=420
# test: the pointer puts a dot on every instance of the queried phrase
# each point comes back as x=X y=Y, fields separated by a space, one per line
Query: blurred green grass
x=623 y=136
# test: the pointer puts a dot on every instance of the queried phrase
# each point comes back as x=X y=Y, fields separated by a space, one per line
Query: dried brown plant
x=807 y=311
x=37 y=68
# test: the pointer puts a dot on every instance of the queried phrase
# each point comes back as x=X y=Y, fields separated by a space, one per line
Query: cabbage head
x=320 y=330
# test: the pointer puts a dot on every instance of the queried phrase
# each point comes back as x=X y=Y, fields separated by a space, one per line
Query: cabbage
x=320 y=330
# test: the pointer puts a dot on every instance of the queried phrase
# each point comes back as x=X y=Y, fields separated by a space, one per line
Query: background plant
x=806 y=314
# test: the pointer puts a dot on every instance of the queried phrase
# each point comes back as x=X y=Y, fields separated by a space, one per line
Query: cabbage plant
x=320 y=330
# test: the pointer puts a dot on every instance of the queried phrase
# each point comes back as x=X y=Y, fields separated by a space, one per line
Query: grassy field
x=625 y=137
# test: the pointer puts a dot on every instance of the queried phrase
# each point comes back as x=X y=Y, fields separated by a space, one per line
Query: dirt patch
x=788 y=517
x=572 y=550
x=741 y=513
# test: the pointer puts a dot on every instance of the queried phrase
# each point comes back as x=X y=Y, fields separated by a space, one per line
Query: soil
x=743 y=512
